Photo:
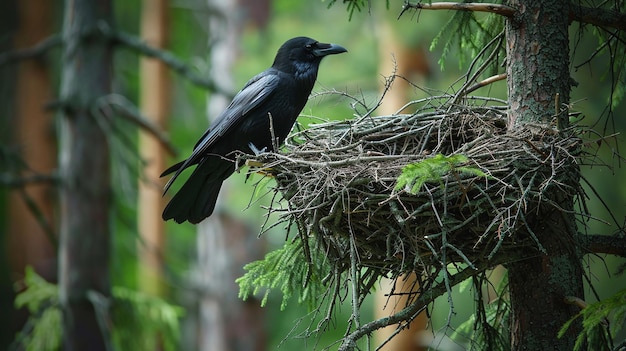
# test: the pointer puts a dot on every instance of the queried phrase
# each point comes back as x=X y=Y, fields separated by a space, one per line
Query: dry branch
x=498 y=9
x=34 y=51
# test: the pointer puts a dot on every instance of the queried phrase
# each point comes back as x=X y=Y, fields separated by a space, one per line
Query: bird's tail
x=196 y=199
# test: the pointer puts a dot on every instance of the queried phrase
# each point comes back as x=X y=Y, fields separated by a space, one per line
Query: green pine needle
x=139 y=320
x=285 y=269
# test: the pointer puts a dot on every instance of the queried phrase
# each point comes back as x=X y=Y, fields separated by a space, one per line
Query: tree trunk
x=409 y=63
x=33 y=136
x=225 y=244
x=538 y=72
x=85 y=170
x=155 y=98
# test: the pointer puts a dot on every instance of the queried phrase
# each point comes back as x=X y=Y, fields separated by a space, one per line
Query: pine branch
x=604 y=244
x=409 y=312
x=498 y=9
x=138 y=45
x=127 y=40
x=129 y=111
x=597 y=16
x=591 y=15
x=34 y=51
x=17 y=182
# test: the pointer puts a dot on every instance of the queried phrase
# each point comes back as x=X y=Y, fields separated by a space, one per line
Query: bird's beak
x=328 y=49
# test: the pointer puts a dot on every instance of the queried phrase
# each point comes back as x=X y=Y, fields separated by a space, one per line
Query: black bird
x=278 y=93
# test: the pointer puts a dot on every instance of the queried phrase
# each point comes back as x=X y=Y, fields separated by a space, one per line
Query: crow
x=266 y=108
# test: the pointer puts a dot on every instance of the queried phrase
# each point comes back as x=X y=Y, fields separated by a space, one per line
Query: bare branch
x=604 y=244
x=16 y=182
x=127 y=40
x=129 y=111
x=592 y=15
x=409 y=312
x=485 y=82
x=597 y=16
x=34 y=51
x=498 y=9
x=138 y=45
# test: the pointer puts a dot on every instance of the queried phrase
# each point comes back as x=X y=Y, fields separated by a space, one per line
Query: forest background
x=361 y=72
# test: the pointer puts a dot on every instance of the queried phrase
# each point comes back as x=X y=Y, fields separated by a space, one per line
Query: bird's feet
x=256 y=150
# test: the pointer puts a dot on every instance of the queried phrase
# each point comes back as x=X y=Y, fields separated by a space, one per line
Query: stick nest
x=339 y=182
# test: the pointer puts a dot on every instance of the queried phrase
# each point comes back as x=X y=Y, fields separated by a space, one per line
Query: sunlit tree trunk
x=538 y=71
x=85 y=169
x=408 y=63
x=30 y=239
x=155 y=103
x=224 y=244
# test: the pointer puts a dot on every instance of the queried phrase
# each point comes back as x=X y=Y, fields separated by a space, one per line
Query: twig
x=497 y=40
x=40 y=217
x=485 y=82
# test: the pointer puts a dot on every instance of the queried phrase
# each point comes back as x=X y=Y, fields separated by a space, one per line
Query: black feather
x=279 y=93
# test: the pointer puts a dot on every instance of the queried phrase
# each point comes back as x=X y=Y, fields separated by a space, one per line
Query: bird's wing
x=254 y=93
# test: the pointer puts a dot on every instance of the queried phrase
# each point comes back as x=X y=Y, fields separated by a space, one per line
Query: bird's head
x=302 y=55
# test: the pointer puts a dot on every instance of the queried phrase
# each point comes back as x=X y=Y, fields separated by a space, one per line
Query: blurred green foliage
x=136 y=318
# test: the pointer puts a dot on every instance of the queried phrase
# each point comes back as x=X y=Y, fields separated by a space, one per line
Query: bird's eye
x=308 y=46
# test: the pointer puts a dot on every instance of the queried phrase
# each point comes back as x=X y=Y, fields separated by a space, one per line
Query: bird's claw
x=256 y=150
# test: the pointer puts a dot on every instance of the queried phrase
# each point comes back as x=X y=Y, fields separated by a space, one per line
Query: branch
x=131 y=41
x=129 y=111
x=34 y=51
x=605 y=244
x=498 y=9
x=138 y=45
x=17 y=182
x=409 y=312
x=592 y=15
x=485 y=82
x=597 y=16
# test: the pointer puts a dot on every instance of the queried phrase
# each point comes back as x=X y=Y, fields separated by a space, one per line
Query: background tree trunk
x=538 y=70
x=33 y=137
x=155 y=101
x=85 y=170
x=410 y=63
x=225 y=244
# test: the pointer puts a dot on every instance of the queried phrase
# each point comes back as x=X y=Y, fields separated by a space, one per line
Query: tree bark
x=85 y=170
x=538 y=78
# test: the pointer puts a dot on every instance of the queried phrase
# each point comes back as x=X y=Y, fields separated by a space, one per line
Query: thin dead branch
x=498 y=9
